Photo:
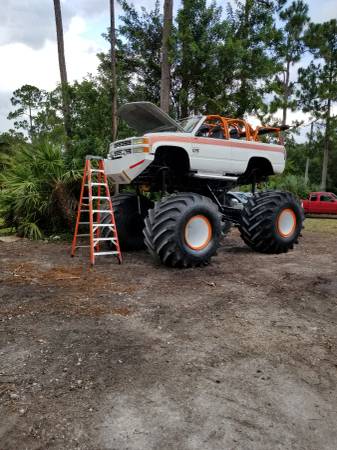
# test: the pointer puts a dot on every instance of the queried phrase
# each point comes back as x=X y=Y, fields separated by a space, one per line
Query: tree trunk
x=307 y=162
x=326 y=147
x=306 y=174
x=63 y=69
x=113 y=71
x=243 y=34
x=30 y=122
x=286 y=94
x=184 y=99
x=165 y=83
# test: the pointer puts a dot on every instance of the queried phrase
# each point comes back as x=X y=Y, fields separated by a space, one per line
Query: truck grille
x=122 y=143
x=122 y=152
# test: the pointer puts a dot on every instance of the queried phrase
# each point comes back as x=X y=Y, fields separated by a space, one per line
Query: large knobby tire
x=183 y=230
x=129 y=222
x=272 y=222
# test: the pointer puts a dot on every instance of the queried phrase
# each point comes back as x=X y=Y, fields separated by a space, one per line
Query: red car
x=320 y=203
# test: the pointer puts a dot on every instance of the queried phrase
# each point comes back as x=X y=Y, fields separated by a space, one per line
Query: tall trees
x=319 y=81
x=63 y=69
x=113 y=71
x=28 y=100
x=253 y=26
x=165 y=82
x=289 y=50
x=140 y=49
x=198 y=35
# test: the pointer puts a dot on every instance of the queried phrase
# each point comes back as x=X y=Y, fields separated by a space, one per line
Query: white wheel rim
x=198 y=232
x=286 y=222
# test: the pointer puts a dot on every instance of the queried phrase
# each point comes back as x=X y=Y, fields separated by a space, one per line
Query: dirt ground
x=238 y=355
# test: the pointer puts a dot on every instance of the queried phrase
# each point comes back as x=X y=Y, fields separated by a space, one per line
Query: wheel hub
x=198 y=232
x=286 y=223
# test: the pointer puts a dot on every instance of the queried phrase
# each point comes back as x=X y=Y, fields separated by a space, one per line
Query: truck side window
x=313 y=198
x=326 y=198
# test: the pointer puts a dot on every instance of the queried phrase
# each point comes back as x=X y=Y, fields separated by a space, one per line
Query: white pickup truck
x=192 y=164
x=212 y=147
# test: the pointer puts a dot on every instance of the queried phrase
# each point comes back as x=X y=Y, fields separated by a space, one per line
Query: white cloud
x=33 y=22
x=25 y=65
x=39 y=67
x=321 y=11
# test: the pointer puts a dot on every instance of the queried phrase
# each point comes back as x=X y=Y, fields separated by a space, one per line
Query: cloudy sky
x=28 y=51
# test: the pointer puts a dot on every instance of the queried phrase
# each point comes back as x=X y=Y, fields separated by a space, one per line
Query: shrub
x=292 y=183
x=36 y=194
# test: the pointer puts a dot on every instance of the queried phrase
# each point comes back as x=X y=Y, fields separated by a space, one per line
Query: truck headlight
x=138 y=141
x=141 y=141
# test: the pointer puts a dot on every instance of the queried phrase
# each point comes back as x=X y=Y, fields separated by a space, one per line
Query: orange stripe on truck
x=244 y=145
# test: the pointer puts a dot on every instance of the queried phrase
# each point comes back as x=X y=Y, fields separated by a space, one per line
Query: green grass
x=321 y=225
x=5 y=231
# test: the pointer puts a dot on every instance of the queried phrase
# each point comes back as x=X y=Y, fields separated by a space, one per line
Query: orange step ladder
x=94 y=180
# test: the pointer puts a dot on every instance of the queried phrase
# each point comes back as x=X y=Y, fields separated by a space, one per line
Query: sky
x=28 y=50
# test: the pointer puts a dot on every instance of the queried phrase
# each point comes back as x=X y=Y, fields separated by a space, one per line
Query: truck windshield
x=189 y=123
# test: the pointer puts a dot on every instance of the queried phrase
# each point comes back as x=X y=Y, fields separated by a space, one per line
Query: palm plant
x=37 y=190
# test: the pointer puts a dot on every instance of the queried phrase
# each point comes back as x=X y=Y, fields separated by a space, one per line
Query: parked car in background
x=320 y=203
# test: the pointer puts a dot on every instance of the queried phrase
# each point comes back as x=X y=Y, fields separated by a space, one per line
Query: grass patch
x=321 y=225
x=5 y=231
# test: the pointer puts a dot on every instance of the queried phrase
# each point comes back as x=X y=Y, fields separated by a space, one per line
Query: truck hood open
x=145 y=117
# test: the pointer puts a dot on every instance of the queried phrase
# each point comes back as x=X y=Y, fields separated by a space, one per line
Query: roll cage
x=228 y=128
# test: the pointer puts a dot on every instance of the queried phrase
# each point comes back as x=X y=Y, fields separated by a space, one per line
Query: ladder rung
x=95 y=211
x=84 y=204
x=97 y=184
x=82 y=235
x=105 y=253
x=99 y=197
x=101 y=210
x=96 y=225
x=104 y=239
x=96 y=170
x=95 y=196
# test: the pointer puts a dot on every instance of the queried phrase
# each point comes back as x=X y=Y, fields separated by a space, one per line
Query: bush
x=36 y=194
x=292 y=183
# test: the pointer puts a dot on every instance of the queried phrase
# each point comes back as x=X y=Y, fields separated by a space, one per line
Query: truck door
x=312 y=204
x=328 y=204
x=211 y=155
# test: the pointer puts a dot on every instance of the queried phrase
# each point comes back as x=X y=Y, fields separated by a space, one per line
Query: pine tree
x=141 y=34
x=165 y=83
x=28 y=100
x=198 y=36
x=113 y=71
x=319 y=81
x=289 y=50
x=63 y=69
x=253 y=27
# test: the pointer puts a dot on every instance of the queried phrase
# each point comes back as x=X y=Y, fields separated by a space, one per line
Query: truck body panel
x=206 y=154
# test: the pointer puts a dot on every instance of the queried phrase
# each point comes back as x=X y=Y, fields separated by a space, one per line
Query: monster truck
x=192 y=164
